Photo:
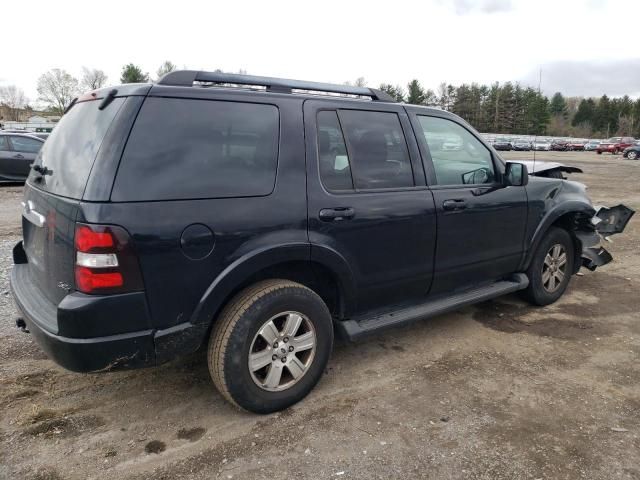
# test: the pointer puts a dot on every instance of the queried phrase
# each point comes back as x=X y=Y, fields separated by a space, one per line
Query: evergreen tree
x=133 y=74
x=416 y=95
x=395 y=91
x=558 y=105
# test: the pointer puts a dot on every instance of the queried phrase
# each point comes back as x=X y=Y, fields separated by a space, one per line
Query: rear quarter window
x=189 y=149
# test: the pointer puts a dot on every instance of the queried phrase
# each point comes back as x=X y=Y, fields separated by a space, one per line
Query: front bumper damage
x=606 y=222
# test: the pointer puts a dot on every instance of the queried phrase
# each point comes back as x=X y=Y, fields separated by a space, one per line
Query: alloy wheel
x=554 y=268
x=282 y=351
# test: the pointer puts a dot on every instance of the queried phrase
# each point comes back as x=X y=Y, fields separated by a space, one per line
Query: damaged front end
x=606 y=222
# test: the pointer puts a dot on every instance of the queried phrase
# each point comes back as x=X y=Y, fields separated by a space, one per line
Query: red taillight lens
x=105 y=260
x=88 y=280
x=87 y=239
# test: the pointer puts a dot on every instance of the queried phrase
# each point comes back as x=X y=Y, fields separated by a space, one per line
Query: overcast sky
x=584 y=47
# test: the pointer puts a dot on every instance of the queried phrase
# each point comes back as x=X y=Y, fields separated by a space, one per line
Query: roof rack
x=186 y=78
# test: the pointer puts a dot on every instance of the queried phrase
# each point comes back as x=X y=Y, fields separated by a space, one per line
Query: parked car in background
x=560 y=145
x=632 y=152
x=576 y=145
x=592 y=145
x=522 y=145
x=17 y=153
x=502 y=145
x=615 y=145
x=542 y=145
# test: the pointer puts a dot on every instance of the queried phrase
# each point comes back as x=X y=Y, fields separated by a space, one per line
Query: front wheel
x=632 y=155
x=270 y=345
x=551 y=268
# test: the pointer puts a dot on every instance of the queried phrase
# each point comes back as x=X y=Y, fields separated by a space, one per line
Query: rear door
x=367 y=198
x=5 y=157
x=481 y=225
x=25 y=150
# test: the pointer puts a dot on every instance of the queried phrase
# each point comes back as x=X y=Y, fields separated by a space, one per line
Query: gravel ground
x=496 y=391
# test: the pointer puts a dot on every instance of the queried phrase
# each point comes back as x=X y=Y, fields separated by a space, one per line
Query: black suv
x=258 y=215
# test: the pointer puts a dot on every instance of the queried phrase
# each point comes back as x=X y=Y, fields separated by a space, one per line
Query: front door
x=481 y=225
x=368 y=200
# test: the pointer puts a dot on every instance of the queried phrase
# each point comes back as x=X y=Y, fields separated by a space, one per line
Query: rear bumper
x=126 y=350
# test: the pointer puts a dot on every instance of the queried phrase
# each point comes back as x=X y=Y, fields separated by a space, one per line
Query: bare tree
x=165 y=68
x=14 y=99
x=92 y=79
x=56 y=89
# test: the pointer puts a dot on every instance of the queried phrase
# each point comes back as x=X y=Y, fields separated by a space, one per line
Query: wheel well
x=313 y=275
x=571 y=222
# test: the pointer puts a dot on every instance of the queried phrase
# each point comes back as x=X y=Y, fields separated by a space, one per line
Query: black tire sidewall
x=238 y=379
x=536 y=291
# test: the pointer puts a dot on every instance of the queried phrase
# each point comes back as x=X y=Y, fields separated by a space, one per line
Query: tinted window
x=199 y=149
x=4 y=145
x=377 y=149
x=71 y=149
x=332 y=153
x=26 y=144
x=458 y=157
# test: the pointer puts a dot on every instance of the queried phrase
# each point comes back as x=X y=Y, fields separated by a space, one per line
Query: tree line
x=497 y=108
x=512 y=109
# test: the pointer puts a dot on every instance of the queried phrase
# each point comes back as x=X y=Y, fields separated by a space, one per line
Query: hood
x=540 y=166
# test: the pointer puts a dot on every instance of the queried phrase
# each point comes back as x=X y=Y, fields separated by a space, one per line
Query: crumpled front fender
x=606 y=222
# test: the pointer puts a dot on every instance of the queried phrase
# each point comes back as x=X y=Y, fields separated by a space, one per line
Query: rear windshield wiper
x=41 y=170
x=108 y=99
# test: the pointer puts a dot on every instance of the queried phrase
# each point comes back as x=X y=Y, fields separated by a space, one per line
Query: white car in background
x=592 y=145
x=545 y=146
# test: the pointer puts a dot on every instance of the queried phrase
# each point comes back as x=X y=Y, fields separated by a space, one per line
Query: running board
x=359 y=327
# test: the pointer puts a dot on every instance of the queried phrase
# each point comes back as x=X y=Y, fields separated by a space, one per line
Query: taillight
x=105 y=260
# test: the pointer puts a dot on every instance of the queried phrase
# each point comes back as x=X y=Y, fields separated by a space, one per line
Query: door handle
x=18 y=156
x=454 y=204
x=336 y=214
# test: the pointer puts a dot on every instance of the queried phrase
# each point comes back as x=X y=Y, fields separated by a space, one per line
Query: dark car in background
x=522 y=145
x=615 y=145
x=504 y=145
x=632 y=152
x=576 y=146
x=559 y=145
x=17 y=153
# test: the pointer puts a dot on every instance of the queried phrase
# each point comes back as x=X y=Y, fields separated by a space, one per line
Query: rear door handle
x=336 y=214
x=454 y=204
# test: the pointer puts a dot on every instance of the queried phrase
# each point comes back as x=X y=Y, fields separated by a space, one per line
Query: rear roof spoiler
x=186 y=78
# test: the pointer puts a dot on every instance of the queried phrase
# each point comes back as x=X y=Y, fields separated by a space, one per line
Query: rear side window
x=69 y=152
x=187 y=149
x=375 y=154
x=25 y=144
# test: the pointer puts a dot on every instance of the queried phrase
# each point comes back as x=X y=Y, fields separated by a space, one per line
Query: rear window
x=69 y=152
x=187 y=149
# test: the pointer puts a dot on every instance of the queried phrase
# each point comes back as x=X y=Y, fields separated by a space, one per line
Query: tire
x=539 y=292
x=598 y=152
x=239 y=331
x=632 y=155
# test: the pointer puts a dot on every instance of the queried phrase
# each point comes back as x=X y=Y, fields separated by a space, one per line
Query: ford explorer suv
x=255 y=217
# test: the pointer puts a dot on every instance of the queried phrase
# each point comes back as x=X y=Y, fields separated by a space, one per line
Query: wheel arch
x=327 y=274
x=571 y=216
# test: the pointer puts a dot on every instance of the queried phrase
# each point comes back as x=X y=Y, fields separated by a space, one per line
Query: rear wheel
x=598 y=152
x=632 y=155
x=270 y=345
x=551 y=268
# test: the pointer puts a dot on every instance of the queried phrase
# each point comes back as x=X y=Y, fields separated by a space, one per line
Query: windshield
x=69 y=152
x=614 y=139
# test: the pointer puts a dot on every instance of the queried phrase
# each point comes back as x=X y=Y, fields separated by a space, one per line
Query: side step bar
x=362 y=326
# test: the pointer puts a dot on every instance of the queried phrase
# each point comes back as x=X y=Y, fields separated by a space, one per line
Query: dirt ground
x=501 y=390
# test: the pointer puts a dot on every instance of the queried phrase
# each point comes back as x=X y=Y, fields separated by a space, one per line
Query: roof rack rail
x=186 y=78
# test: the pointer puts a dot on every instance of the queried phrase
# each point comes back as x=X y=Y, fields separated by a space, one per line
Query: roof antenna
x=535 y=137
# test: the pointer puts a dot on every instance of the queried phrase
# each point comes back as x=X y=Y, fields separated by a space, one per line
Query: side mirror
x=516 y=175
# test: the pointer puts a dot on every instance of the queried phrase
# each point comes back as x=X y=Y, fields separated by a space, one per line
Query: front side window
x=458 y=157
x=26 y=144
x=378 y=150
